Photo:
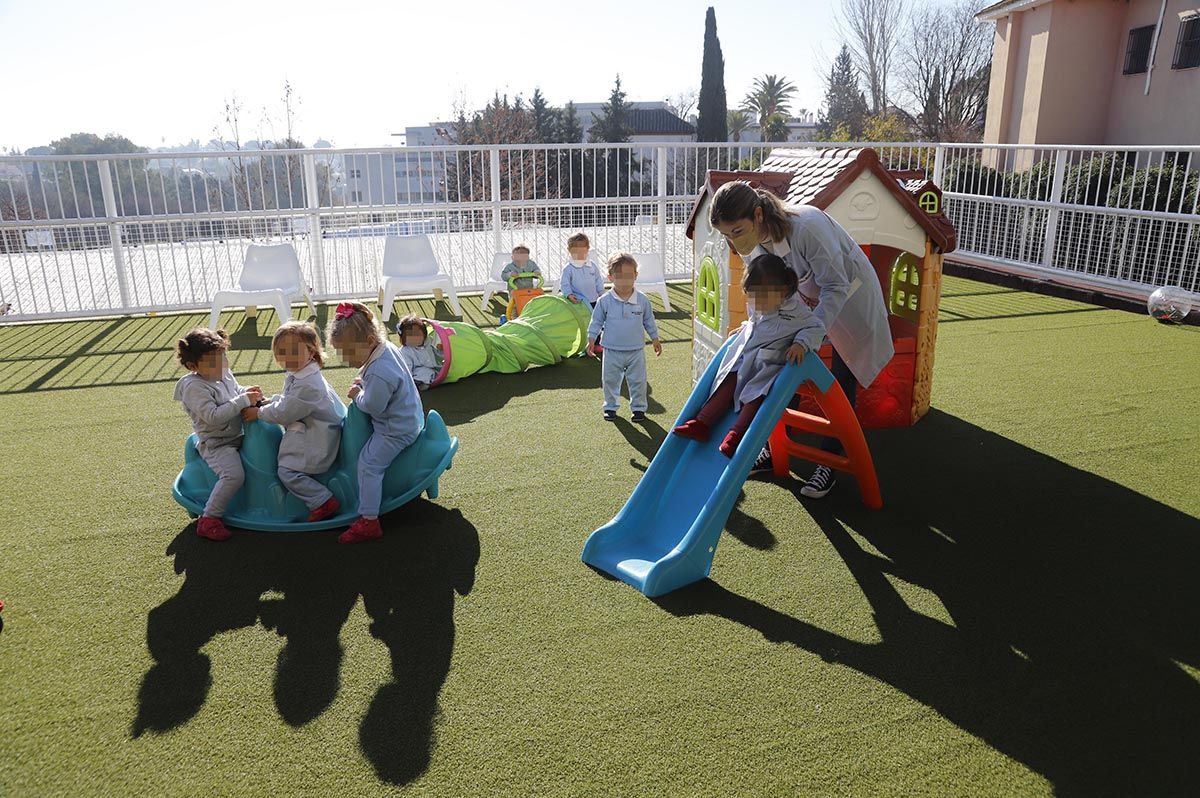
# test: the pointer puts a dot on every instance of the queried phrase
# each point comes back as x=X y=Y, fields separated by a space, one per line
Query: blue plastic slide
x=665 y=535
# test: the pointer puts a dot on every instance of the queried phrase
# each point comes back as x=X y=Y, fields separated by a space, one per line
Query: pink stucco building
x=1094 y=72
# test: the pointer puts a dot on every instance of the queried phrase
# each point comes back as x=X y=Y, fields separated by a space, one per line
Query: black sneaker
x=820 y=483
x=610 y=415
x=639 y=415
x=763 y=463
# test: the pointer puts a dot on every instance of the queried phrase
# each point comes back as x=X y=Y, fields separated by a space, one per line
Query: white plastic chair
x=270 y=276
x=495 y=283
x=651 y=276
x=409 y=266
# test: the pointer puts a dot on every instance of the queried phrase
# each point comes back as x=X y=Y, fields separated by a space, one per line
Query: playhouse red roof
x=818 y=177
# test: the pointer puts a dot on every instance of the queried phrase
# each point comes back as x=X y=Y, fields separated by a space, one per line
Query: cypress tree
x=711 y=123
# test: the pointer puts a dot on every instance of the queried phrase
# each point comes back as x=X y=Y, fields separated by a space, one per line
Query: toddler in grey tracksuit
x=214 y=401
x=311 y=416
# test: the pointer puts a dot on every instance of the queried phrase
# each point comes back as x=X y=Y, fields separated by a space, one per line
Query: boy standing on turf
x=625 y=317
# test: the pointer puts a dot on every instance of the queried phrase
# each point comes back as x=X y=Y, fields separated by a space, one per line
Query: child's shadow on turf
x=407 y=581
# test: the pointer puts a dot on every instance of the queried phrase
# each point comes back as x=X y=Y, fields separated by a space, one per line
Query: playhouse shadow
x=407 y=581
x=1073 y=602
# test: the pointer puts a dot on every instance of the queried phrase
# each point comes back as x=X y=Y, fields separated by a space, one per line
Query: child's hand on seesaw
x=657 y=346
x=796 y=352
x=255 y=394
x=250 y=413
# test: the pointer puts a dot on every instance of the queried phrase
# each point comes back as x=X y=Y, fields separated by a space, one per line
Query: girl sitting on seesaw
x=311 y=414
x=780 y=329
x=385 y=391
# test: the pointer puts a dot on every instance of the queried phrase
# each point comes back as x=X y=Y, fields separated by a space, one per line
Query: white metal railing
x=112 y=234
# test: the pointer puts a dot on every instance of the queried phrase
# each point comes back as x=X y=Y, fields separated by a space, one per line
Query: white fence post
x=316 y=249
x=939 y=165
x=114 y=230
x=497 y=229
x=1056 y=189
x=662 y=206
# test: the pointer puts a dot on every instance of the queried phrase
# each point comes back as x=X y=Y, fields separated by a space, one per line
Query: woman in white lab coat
x=834 y=273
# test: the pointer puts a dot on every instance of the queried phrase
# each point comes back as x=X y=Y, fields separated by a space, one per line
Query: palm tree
x=737 y=122
x=771 y=94
x=775 y=128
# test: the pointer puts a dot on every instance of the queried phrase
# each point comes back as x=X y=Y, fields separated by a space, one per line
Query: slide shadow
x=1072 y=600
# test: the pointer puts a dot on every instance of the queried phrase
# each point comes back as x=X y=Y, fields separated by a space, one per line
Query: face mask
x=745 y=243
x=579 y=262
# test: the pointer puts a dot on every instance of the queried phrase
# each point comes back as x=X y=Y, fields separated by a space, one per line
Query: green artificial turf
x=1022 y=617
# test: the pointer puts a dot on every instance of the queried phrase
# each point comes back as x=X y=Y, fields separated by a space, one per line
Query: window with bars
x=1187 y=49
x=1137 y=51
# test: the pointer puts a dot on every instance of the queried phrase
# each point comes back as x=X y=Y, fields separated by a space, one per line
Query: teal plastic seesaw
x=264 y=504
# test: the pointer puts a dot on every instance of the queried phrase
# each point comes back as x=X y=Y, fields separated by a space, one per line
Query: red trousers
x=719 y=403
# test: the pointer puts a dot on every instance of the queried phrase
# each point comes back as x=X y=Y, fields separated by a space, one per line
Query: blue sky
x=160 y=72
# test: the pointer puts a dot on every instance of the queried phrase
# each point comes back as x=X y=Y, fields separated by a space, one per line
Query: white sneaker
x=820 y=483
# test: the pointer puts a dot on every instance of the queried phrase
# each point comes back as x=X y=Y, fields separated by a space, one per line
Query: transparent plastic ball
x=1169 y=304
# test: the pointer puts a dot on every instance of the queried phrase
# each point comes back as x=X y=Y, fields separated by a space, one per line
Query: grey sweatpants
x=226 y=463
x=304 y=487
x=376 y=455
x=627 y=367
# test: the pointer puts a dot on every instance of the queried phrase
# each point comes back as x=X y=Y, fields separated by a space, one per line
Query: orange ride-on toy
x=517 y=297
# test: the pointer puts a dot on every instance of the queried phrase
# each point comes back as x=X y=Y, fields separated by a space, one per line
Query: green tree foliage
x=737 y=122
x=547 y=121
x=845 y=104
x=613 y=124
x=711 y=121
x=771 y=94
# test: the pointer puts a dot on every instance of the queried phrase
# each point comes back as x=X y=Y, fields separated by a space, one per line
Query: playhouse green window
x=929 y=203
x=905 y=293
x=708 y=294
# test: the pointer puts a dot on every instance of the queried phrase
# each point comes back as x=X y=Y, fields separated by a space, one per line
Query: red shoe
x=329 y=508
x=362 y=530
x=212 y=528
x=695 y=430
x=730 y=444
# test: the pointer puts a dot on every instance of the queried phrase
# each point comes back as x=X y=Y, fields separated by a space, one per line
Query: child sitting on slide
x=310 y=413
x=781 y=328
x=214 y=401
x=385 y=391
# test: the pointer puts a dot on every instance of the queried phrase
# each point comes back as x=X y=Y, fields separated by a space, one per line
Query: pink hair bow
x=344 y=310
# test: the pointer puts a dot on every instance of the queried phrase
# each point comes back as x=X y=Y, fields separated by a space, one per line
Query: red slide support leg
x=838 y=422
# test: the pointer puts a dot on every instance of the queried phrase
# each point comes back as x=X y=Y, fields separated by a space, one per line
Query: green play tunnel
x=550 y=328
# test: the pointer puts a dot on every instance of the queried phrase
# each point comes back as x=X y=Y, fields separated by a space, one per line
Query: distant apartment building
x=1094 y=72
x=412 y=176
x=800 y=128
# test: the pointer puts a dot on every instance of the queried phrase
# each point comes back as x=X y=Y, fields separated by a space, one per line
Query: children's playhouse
x=896 y=217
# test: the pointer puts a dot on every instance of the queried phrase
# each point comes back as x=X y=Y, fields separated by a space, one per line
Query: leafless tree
x=945 y=68
x=873 y=30
x=683 y=104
